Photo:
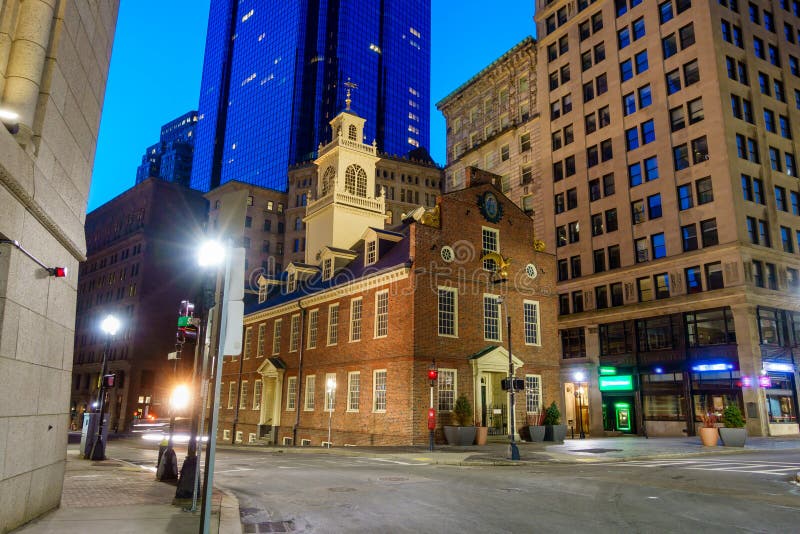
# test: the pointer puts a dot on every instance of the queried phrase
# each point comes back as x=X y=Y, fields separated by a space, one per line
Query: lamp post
x=110 y=326
x=511 y=386
x=330 y=389
x=579 y=392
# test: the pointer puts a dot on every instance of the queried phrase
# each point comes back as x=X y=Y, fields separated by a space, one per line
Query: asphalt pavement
x=121 y=494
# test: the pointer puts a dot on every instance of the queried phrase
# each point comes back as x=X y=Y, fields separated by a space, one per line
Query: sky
x=157 y=63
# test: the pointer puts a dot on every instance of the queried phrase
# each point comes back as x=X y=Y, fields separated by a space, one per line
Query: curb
x=229 y=519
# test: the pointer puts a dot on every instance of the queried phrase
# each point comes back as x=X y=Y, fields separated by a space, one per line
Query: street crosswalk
x=717 y=464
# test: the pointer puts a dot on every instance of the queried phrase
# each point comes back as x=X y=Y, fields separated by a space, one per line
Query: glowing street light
x=211 y=253
x=180 y=398
x=110 y=326
x=579 y=393
x=330 y=389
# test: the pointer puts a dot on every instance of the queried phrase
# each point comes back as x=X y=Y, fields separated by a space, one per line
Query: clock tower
x=345 y=203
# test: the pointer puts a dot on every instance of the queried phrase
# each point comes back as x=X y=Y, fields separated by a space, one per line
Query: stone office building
x=671 y=188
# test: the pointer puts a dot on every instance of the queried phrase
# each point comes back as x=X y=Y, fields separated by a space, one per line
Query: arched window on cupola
x=355 y=181
x=352 y=133
x=298 y=224
x=327 y=180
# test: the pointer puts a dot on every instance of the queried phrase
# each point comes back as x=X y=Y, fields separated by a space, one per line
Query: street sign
x=172 y=355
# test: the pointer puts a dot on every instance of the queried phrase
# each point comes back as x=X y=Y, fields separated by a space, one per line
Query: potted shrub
x=709 y=434
x=733 y=434
x=553 y=429
x=459 y=433
x=481 y=433
x=536 y=425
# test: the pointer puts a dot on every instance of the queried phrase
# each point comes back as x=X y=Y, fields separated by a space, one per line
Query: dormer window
x=262 y=292
x=327 y=269
x=372 y=252
x=291 y=282
x=352 y=133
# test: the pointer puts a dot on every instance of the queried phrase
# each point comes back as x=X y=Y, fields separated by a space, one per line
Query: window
x=628 y=105
x=642 y=254
x=355 y=318
x=673 y=79
x=573 y=343
x=638 y=29
x=613 y=257
x=786 y=239
x=491 y=318
x=490 y=239
x=693 y=280
x=644 y=289
x=599 y=261
x=533 y=393
x=330 y=392
x=680 y=156
x=382 y=314
x=632 y=138
x=531 y=320
x=641 y=62
x=710 y=327
x=446 y=385
x=626 y=70
x=577 y=301
x=695 y=108
x=574 y=232
x=669 y=44
x=372 y=252
x=231 y=395
x=448 y=311
x=665 y=13
x=635 y=174
x=780 y=198
x=654 y=206
x=611 y=220
x=294 y=338
x=313 y=320
x=637 y=211
x=689 y=237
x=705 y=192
x=785 y=130
x=676 y=119
x=769 y=120
x=248 y=342
x=333 y=324
x=353 y=391
x=261 y=334
x=311 y=381
x=379 y=390
x=243 y=396
x=758 y=273
x=600 y=297
x=276 y=337
x=708 y=230
x=291 y=393
x=623 y=38
x=257 y=389
x=648 y=132
x=686 y=36
x=661 y=286
x=763 y=233
x=691 y=73
x=659 y=246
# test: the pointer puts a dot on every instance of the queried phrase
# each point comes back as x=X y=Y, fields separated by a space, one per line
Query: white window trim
x=313 y=325
x=248 y=342
x=231 y=395
x=258 y=385
x=310 y=393
x=350 y=390
x=243 y=395
x=294 y=333
x=454 y=291
x=291 y=396
x=455 y=387
x=330 y=331
x=541 y=403
x=226 y=434
x=330 y=399
x=496 y=233
x=538 y=323
x=499 y=318
x=375 y=389
x=372 y=242
x=239 y=436
x=375 y=326
x=277 y=332
x=360 y=320
x=262 y=333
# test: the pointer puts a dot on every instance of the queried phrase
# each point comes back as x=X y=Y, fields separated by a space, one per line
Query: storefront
x=619 y=400
x=778 y=381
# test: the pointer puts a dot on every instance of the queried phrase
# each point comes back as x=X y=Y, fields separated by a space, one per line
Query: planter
x=555 y=432
x=481 y=434
x=460 y=435
x=537 y=432
x=733 y=437
x=709 y=436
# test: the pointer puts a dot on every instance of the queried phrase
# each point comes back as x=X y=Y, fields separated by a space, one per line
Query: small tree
x=552 y=416
x=732 y=416
x=462 y=411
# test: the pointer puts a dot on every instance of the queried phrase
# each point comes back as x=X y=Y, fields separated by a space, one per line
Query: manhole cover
x=341 y=490
x=597 y=451
x=393 y=479
x=269 y=526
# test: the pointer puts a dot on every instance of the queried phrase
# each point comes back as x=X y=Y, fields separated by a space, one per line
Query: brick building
x=140 y=265
x=371 y=307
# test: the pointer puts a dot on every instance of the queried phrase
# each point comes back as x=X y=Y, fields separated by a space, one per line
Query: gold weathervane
x=501 y=264
x=350 y=85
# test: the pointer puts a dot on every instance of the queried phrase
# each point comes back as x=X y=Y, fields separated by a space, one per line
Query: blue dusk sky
x=157 y=63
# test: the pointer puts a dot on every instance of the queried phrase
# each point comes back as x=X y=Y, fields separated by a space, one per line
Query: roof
x=516 y=48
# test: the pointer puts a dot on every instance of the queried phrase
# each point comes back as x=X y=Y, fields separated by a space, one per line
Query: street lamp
x=110 y=326
x=330 y=389
x=579 y=392
x=511 y=386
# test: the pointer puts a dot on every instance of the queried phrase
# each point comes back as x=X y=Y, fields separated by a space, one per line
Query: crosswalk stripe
x=765 y=467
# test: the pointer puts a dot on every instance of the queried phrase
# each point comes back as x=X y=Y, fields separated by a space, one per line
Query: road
x=328 y=492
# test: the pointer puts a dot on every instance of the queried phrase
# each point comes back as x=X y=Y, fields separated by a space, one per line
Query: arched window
x=352 y=133
x=327 y=180
x=298 y=224
x=355 y=181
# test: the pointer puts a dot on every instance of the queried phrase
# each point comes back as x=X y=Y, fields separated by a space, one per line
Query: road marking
x=234 y=470
x=732 y=466
x=398 y=462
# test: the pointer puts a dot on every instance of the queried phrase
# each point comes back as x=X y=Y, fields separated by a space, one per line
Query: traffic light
x=433 y=373
x=109 y=380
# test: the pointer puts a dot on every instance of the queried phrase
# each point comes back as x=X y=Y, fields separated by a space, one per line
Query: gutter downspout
x=299 y=388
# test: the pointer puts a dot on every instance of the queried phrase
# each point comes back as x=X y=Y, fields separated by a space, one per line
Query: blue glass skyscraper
x=274 y=74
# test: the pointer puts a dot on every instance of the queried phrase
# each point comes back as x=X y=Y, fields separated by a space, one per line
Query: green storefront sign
x=616 y=383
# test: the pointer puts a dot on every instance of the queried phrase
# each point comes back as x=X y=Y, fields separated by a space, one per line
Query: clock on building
x=490 y=207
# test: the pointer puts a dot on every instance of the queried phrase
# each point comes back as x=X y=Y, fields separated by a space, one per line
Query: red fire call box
x=431 y=419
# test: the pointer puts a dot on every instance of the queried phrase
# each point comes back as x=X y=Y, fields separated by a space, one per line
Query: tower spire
x=350 y=85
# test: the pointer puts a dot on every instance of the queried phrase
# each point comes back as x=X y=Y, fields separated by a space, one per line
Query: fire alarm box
x=431 y=419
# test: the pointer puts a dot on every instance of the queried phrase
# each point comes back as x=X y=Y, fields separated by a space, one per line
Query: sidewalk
x=119 y=497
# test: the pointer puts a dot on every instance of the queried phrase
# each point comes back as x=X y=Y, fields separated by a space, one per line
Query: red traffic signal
x=433 y=373
x=108 y=380
x=58 y=272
